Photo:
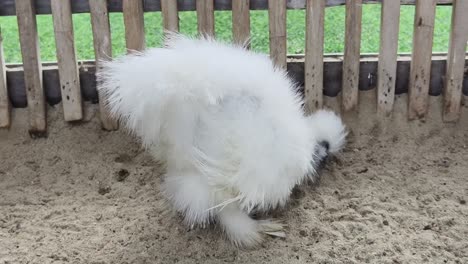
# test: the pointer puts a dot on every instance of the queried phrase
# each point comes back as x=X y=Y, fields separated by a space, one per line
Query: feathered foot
x=244 y=231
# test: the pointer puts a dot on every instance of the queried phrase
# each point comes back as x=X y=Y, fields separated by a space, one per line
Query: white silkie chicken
x=229 y=126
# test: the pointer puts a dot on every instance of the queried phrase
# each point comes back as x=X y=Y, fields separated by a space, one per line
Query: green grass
x=334 y=31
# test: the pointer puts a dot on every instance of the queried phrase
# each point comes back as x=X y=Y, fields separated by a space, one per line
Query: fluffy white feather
x=228 y=124
x=328 y=127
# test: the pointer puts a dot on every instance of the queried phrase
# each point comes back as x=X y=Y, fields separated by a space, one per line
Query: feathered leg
x=244 y=231
x=190 y=195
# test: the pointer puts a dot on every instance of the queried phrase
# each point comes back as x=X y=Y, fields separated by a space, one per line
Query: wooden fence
x=71 y=82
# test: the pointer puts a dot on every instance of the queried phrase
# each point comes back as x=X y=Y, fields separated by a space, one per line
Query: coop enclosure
x=420 y=74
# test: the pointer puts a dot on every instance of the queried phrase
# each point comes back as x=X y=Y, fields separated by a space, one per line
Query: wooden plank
x=205 y=17
x=4 y=101
x=66 y=57
x=7 y=7
x=315 y=14
x=51 y=84
x=134 y=25
x=421 y=58
x=351 y=54
x=102 y=51
x=456 y=61
x=277 y=26
x=241 y=22
x=389 y=27
x=29 y=43
x=333 y=66
x=170 y=15
x=301 y=4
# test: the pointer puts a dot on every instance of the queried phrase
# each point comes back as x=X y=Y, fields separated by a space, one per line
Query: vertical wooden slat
x=456 y=61
x=170 y=15
x=66 y=55
x=421 y=58
x=389 y=27
x=134 y=24
x=315 y=13
x=4 y=102
x=277 y=22
x=102 y=51
x=351 y=54
x=205 y=17
x=29 y=41
x=241 y=21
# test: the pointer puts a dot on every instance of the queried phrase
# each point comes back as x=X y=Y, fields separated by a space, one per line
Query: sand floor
x=397 y=194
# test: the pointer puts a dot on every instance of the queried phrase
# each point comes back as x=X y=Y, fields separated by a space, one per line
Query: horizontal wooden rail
x=7 y=7
x=332 y=77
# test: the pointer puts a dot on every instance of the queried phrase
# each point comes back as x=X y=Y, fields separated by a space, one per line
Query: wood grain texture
x=205 y=17
x=4 y=101
x=315 y=13
x=7 y=7
x=389 y=27
x=277 y=28
x=134 y=25
x=241 y=21
x=352 y=54
x=66 y=57
x=170 y=15
x=102 y=51
x=29 y=43
x=421 y=58
x=456 y=61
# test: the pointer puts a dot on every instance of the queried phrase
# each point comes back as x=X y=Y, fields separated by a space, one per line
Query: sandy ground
x=397 y=194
